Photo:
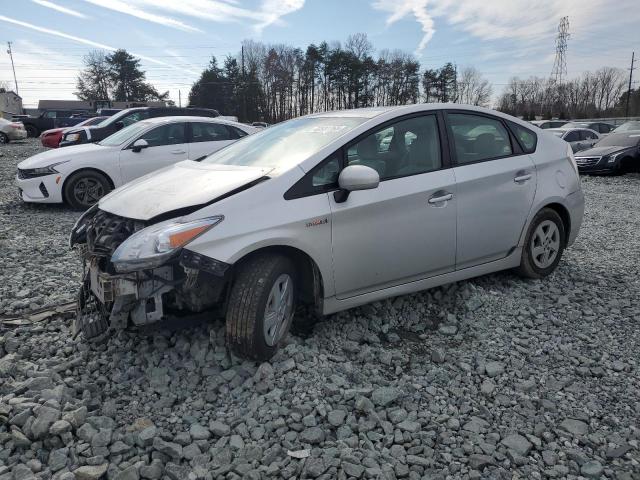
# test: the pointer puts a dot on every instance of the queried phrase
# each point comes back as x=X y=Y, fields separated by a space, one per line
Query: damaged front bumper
x=186 y=283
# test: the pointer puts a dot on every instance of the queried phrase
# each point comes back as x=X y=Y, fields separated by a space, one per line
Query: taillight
x=16 y=125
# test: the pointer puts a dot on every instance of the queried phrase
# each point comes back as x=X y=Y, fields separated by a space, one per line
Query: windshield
x=121 y=136
x=286 y=144
x=625 y=127
x=620 y=140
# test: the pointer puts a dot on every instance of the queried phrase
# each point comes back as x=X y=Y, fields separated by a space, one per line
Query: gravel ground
x=491 y=378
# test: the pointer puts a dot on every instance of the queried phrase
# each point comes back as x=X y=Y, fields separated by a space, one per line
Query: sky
x=174 y=39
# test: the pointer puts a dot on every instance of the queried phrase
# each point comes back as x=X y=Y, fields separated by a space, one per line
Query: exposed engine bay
x=186 y=283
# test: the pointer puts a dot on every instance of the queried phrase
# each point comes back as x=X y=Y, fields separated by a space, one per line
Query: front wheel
x=4 y=138
x=543 y=246
x=32 y=131
x=85 y=188
x=261 y=306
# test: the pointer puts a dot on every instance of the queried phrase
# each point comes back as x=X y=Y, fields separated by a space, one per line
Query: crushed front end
x=113 y=294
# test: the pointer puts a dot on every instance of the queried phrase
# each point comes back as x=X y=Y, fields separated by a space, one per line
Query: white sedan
x=82 y=174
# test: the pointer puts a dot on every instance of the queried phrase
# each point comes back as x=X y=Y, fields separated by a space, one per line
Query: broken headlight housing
x=154 y=245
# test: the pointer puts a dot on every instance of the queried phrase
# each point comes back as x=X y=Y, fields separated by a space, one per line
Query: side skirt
x=332 y=304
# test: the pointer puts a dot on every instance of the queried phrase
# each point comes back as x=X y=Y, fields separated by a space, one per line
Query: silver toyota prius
x=328 y=211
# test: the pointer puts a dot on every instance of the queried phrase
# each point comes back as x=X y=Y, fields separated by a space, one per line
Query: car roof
x=191 y=118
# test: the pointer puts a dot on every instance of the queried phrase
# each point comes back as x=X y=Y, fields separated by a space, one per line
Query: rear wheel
x=543 y=246
x=83 y=189
x=32 y=131
x=4 y=138
x=261 y=306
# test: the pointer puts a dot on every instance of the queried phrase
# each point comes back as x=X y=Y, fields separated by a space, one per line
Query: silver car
x=11 y=131
x=578 y=138
x=328 y=211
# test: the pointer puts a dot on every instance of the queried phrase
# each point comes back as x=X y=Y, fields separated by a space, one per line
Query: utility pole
x=179 y=98
x=633 y=55
x=15 y=80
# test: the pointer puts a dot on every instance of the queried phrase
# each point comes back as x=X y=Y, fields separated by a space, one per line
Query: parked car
x=628 y=126
x=81 y=175
x=124 y=118
x=600 y=127
x=544 y=124
x=314 y=212
x=260 y=124
x=49 y=119
x=51 y=138
x=578 y=138
x=617 y=153
x=10 y=130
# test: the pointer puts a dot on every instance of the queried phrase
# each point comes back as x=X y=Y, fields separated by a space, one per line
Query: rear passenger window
x=478 y=138
x=526 y=137
x=573 y=136
x=210 y=132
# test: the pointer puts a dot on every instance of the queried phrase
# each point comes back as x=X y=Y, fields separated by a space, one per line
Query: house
x=10 y=104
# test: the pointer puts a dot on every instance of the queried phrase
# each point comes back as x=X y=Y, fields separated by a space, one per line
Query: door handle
x=522 y=178
x=440 y=197
x=177 y=152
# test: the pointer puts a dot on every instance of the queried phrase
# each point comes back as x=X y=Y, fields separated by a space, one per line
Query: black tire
x=248 y=301
x=32 y=131
x=4 y=138
x=95 y=184
x=529 y=267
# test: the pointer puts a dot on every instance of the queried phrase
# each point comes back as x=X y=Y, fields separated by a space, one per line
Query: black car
x=125 y=118
x=52 y=118
x=616 y=153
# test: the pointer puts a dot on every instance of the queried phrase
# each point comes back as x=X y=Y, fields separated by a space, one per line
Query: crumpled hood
x=60 y=155
x=178 y=186
x=600 y=151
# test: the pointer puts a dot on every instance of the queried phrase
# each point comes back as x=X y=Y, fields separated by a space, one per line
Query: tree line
x=273 y=83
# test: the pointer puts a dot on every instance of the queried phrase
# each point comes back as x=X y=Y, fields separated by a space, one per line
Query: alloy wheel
x=278 y=310
x=88 y=191
x=545 y=244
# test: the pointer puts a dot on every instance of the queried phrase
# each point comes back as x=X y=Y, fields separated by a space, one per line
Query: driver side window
x=407 y=147
x=134 y=117
x=171 y=134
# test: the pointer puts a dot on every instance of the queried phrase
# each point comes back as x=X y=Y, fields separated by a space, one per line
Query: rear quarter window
x=527 y=138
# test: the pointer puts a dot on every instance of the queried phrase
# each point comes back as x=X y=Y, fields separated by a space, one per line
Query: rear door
x=495 y=182
x=209 y=137
x=167 y=145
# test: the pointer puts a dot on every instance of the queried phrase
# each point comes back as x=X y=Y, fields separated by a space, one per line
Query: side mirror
x=355 y=177
x=139 y=145
x=118 y=125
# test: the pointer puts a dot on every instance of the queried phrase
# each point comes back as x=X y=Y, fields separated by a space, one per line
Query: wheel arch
x=85 y=169
x=312 y=283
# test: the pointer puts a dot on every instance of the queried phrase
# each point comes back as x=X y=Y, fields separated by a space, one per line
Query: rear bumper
x=575 y=206
x=15 y=134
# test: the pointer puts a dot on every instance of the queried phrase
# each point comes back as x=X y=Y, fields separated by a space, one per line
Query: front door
x=404 y=229
x=495 y=188
x=167 y=145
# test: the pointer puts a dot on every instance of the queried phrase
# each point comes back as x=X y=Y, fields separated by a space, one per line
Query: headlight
x=41 y=171
x=614 y=157
x=154 y=245
x=72 y=137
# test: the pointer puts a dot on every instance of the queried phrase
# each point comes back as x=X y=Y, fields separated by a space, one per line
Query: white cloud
x=269 y=12
x=128 y=9
x=400 y=9
x=526 y=21
x=59 y=8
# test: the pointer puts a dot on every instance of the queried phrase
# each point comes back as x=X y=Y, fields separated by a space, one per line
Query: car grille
x=107 y=231
x=587 y=161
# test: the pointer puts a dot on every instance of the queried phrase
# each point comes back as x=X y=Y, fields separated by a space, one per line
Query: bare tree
x=94 y=81
x=473 y=89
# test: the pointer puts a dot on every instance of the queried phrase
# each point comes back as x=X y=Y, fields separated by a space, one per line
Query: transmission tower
x=559 y=71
